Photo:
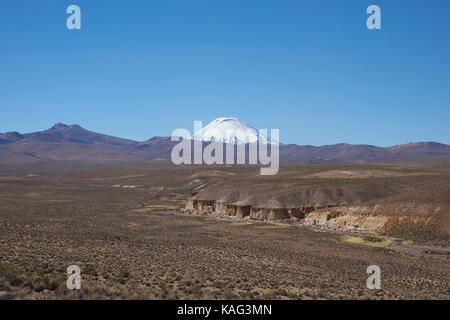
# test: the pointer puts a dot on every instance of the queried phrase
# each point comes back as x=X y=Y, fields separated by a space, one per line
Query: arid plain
x=123 y=224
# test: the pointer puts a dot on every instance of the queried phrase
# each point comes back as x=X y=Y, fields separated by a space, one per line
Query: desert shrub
x=162 y=285
x=89 y=270
x=246 y=295
x=45 y=281
x=220 y=284
x=124 y=273
x=4 y=286
x=47 y=268
x=38 y=288
x=373 y=239
x=56 y=282
x=197 y=292
x=321 y=295
x=52 y=285
x=269 y=296
x=307 y=284
x=230 y=296
x=10 y=274
x=123 y=276
x=283 y=292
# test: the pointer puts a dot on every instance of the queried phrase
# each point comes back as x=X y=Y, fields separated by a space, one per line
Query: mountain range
x=73 y=143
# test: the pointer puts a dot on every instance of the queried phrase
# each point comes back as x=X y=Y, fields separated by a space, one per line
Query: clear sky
x=312 y=69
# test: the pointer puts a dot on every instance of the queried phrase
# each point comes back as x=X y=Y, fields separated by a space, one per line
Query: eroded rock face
x=342 y=219
x=269 y=214
x=242 y=211
x=192 y=204
x=206 y=206
x=224 y=209
x=335 y=220
x=230 y=210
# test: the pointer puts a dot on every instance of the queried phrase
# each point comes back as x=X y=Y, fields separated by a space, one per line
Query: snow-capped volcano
x=229 y=130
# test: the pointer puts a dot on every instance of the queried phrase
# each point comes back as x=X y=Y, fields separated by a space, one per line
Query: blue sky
x=138 y=69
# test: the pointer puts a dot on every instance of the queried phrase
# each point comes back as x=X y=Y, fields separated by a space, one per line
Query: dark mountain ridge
x=72 y=142
x=74 y=133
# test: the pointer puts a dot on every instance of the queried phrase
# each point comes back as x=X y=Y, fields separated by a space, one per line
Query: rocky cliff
x=333 y=218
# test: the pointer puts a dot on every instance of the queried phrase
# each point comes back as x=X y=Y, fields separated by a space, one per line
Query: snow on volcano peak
x=229 y=130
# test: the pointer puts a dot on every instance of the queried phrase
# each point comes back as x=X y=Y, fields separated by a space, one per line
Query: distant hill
x=62 y=142
x=74 y=133
x=348 y=153
x=74 y=143
x=10 y=137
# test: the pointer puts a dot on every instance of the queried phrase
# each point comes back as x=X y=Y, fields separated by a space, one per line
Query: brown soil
x=129 y=244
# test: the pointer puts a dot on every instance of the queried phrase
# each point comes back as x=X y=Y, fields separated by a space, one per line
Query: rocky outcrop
x=336 y=220
x=191 y=205
x=269 y=214
x=207 y=206
x=243 y=211
x=326 y=218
